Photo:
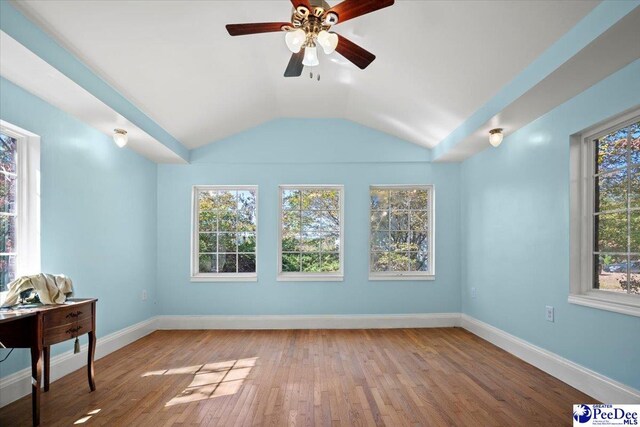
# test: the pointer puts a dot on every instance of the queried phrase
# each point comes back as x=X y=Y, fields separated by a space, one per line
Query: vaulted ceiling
x=437 y=61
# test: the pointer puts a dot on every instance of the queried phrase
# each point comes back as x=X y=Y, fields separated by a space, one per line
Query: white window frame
x=408 y=275
x=196 y=276
x=336 y=276
x=28 y=201
x=582 y=161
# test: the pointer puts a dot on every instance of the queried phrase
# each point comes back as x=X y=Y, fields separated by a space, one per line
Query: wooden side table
x=39 y=328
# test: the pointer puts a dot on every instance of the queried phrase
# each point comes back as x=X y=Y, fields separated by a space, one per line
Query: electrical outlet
x=473 y=293
x=549 y=313
x=143 y=297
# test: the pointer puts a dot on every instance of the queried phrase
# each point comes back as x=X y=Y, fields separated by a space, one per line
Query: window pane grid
x=226 y=231
x=400 y=229
x=310 y=227
x=616 y=181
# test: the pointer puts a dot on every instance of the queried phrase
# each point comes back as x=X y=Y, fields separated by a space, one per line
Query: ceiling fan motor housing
x=313 y=21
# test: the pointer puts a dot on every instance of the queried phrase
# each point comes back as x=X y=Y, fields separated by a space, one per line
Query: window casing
x=225 y=233
x=311 y=233
x=402 y=232
x=19 y=204
x=605 y=216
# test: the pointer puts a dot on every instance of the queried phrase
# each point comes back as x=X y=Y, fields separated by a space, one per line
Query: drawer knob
x=76 y=314
x=73 y=330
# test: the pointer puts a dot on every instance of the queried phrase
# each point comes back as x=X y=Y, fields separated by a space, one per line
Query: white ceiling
x=437 y=61
x=24 y=68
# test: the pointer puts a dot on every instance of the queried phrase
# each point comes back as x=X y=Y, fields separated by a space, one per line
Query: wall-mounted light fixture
x=495 y=136
x=120 y=137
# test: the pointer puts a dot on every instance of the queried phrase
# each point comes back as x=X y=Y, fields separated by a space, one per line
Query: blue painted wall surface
x=307 y=152
x=98 y=214
x=515 y=232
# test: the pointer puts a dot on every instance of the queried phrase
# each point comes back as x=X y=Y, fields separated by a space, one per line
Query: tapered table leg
x=36 y=374
x=45 y=355
x=91 y=355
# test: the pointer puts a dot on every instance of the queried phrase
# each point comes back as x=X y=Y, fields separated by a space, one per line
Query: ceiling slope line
x=595 y=24
x=20 y=28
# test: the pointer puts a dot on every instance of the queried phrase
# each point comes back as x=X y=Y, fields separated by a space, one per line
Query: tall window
x=19 y=204
x=616 y=210
x=311 y=233
x=8 y=208
x=605 y=216
x=225 y=233
x=401 y=239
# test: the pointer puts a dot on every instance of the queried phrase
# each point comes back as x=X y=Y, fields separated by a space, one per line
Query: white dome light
x=120 y=137
x=328 y=41
x=495 y=136
x=295 y=39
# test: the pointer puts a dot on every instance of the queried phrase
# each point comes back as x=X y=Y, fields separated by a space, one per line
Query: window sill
x=234 y=278
x=401 y=276
x=624 y=304
x=310 y=277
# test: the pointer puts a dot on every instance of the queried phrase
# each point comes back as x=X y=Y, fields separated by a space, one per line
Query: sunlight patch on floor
x=209 y=380
x=87 y=417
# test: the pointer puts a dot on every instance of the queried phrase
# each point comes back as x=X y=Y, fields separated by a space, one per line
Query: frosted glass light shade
x=310 y=57
x=295 y=39
x=328 y=41
x=495 y=137
x=120 y=137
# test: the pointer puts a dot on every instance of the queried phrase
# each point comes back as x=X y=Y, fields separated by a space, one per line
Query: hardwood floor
x=426 y=377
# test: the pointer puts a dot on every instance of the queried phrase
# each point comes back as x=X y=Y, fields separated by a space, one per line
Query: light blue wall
x=306 y=152
x=515 y=233
x=98 y=214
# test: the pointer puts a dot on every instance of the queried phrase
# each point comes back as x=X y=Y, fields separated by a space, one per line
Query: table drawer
x=64 y=315
x=67 y=331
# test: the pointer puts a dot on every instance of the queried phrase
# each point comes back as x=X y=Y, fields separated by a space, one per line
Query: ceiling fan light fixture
x=295 y=39
x=496 y=136
x=310 y=56
x=328 y=41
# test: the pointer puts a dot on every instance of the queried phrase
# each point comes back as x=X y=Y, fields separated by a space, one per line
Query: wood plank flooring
x=396 y=377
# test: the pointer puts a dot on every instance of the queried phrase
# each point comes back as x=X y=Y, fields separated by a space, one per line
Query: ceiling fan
x=309 y=27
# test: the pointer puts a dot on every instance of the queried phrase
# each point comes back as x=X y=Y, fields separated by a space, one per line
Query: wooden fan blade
x=354 y=53
x=297 y=3
x=350 y=9
x=294 y=69
x=255 y=28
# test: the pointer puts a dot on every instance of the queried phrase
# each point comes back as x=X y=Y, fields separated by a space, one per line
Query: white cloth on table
x=51 y=289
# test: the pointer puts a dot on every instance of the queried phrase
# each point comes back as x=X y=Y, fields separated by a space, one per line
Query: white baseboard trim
x=338 y=321
x=18 y=384
x=587 y=381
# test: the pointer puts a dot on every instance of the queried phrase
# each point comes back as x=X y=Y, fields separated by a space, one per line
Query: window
x=8 y=211
x=224 y=233
x=311 y=233
x=401 y=232
x=19 y=204
x=609 y=275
